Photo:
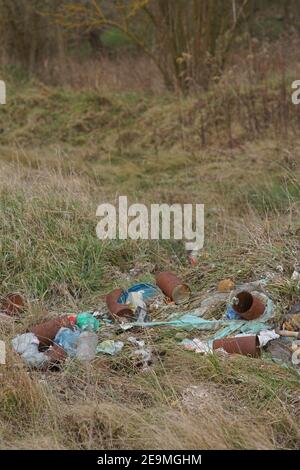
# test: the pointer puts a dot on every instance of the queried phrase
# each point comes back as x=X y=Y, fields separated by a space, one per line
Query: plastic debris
x=210 y=303
x=296 y=353
x=136 y=302
x=110 y=347
x=87 y=321
x=68 y=340
x=265 y=336
x=135 y=342
x=196 y=345
x=143 y=358
x=86 y=346
x=224 y=328
x=149 y=291
x=27 y=345
x=231 y=314
x=295 y=275
x=2 y=353
x=280 y=351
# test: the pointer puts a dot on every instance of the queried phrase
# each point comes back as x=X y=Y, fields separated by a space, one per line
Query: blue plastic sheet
x=149 y=291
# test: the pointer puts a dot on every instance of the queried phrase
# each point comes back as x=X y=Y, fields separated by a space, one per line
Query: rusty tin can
x=173 y=287
x=116 y=309
x=248 y=306
x=245 y=345
x=46 y=332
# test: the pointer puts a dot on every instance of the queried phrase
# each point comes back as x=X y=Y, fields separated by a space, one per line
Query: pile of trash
x=247 y=324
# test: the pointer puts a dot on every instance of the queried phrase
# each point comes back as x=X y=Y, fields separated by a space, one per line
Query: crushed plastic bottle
x=68 y=340
x=86 y=346
x=87 y=321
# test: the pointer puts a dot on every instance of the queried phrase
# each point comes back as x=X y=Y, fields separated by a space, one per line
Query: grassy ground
x=64 y=152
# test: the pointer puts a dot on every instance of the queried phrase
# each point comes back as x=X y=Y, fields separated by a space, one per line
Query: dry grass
x=62 y=154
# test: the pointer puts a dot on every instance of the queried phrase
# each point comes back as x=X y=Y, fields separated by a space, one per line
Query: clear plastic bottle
x=86 y=346
x=68 y=339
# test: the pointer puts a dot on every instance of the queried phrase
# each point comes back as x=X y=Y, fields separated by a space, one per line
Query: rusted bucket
x=116 y=309
x=47 y=331
x=173 y=287
x=245 y=345
x=248 y=306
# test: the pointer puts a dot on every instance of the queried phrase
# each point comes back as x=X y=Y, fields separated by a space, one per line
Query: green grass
x=64 y=152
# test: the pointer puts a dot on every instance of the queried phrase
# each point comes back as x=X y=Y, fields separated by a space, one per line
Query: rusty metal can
x=46 y=332
x=173 y=287
x=245 y=345
x=248 y=306
x=116 y=309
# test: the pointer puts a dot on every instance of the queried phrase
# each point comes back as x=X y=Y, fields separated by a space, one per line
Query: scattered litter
x=211 y=303
x=116 y=308
x=287 y=333
x=136 y=302
x=27 y=345
x=173 y=287
x=2 y=353
x=68 y=340
x=231 y=314
x=86 y=346
x=224 y=328
x=193 y=257
x=244 y=327
x=110 y=347
x=247 y=345
x=46 y=331
x=296 y=353
x=87 y=321
x=149 y=291
x=295 y=275
x=143 y=358
x=226 y=285
x=280 y=351
x=247 y=305
x=279 y=268
x=135 y=342
x=267 y=335
x=196 y=345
